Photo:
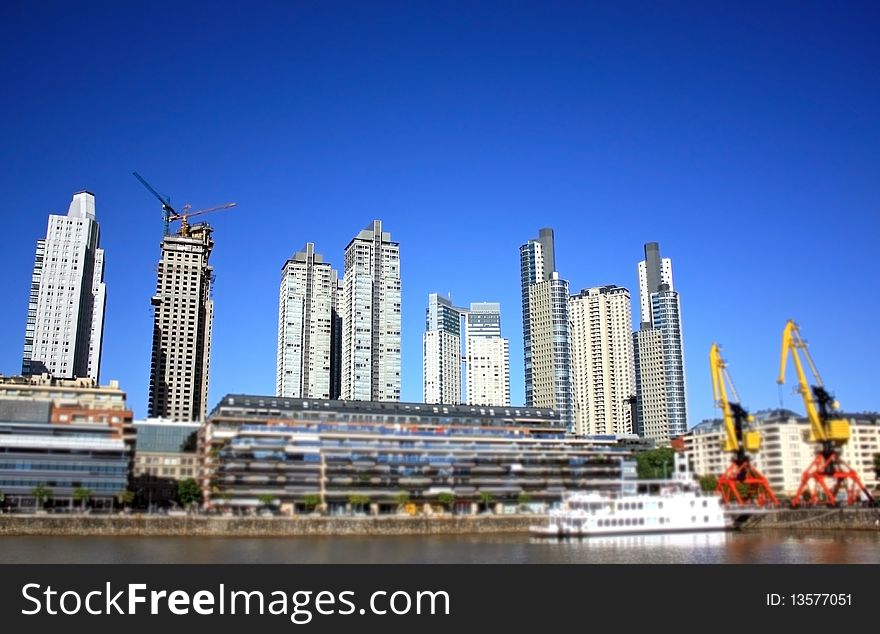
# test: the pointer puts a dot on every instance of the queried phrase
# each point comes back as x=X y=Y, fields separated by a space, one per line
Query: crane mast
x=741 y=482
x=827 y=475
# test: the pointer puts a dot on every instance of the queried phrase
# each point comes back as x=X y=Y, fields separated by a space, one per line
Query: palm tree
x=125 y=498
x=485 y=499
x=311 y=501
x=82 y=495
x=446 y=500
x=267 y=500
x=41 y=494
x=401 y=499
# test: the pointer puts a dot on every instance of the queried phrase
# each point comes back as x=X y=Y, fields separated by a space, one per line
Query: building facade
x=65 y=321
x=58 y=436
x=661 y=388
x=165 y=454
x=307 y=361
x=546 y=342
x=333 y=451
x=487 y=356
x=603 y=371
x=371 y=317
x=441 y=352
x=183 y=315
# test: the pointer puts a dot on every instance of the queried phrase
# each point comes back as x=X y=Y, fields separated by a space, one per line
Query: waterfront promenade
x=310 y=525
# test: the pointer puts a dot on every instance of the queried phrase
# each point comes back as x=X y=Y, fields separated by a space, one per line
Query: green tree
x=41 y=494
x=83 y=496
x=446 y=500
x=524 y=498
x=708 y=483
x=358 y=501
x=877 y=465
x=656 y=463
x=189 y=492
x=402 y=498
x=311 y=501
x=485 y=499
x=125 y=498
x=2 y=498
x=267 y=500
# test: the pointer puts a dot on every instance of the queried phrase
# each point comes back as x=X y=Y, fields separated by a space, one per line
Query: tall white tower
x=603 y=375
x=65 y=322
x=371 y=317
x=487 y=356
x=441 y=352
x=306 y=359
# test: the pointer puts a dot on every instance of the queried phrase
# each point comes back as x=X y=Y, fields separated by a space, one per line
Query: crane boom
x=167 y=210
x=828 y=474
x=741 y=481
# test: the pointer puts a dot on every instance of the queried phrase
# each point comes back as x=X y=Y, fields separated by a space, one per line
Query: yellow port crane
x=741 y=482
x=827 y=474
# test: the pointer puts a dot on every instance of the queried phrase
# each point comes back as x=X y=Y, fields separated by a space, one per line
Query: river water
x=748 y=547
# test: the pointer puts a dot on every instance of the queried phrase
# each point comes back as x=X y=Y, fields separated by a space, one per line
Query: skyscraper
x=661 y=403
x=487 y=356
x=441 y=352
x=546 y=343
x=183 y=315
x=307 y=313
x=65 y=322
x=371 y=317
x=603 y=376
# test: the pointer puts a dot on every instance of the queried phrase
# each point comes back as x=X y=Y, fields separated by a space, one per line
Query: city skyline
x=601 y=128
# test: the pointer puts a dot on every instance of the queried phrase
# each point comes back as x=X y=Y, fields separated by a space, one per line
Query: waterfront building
x=371 y=317
x=658 y=349
x=441 y=352
x=337 y=451
x=603 y=374
x=487 y=356
x=307 y=362
x=183 y=314
x=784 y=454
x=546 y=342
x=65 y=320
x=165 y=453
x=60 y=435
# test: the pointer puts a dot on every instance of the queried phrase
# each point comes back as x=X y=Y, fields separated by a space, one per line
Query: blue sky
x=743 y=137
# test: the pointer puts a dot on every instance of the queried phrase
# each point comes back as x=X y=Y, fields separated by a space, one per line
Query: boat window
x=693 y=519
x=705 y=503
x=660 y=505
x=706 y=518
x=692 y=502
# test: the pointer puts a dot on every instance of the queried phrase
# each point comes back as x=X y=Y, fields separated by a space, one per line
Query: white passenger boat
x=677 y=506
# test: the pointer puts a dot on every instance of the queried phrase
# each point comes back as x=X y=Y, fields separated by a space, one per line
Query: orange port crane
x=828 y=475
x=741 y=482
x=169 y=214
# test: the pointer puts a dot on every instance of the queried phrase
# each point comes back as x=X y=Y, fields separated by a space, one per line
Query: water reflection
x=682 y=548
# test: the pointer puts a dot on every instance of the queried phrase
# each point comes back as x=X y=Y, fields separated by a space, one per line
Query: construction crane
x=167 y=210
x=169 y=214
x=827 y=473
x=741 y=481
x=186 y=214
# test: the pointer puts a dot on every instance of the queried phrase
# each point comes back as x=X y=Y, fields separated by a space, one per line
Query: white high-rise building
x=603 y=374
x=653 y=271
x=65 y=323
x=659 y=352
x=441 y=352
x=546 y=342
x=487 y=356
x=371 y=317
x=306 y=359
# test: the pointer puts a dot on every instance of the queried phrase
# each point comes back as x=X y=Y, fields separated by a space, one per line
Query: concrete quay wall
x=153 y=526
x=815 y=519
